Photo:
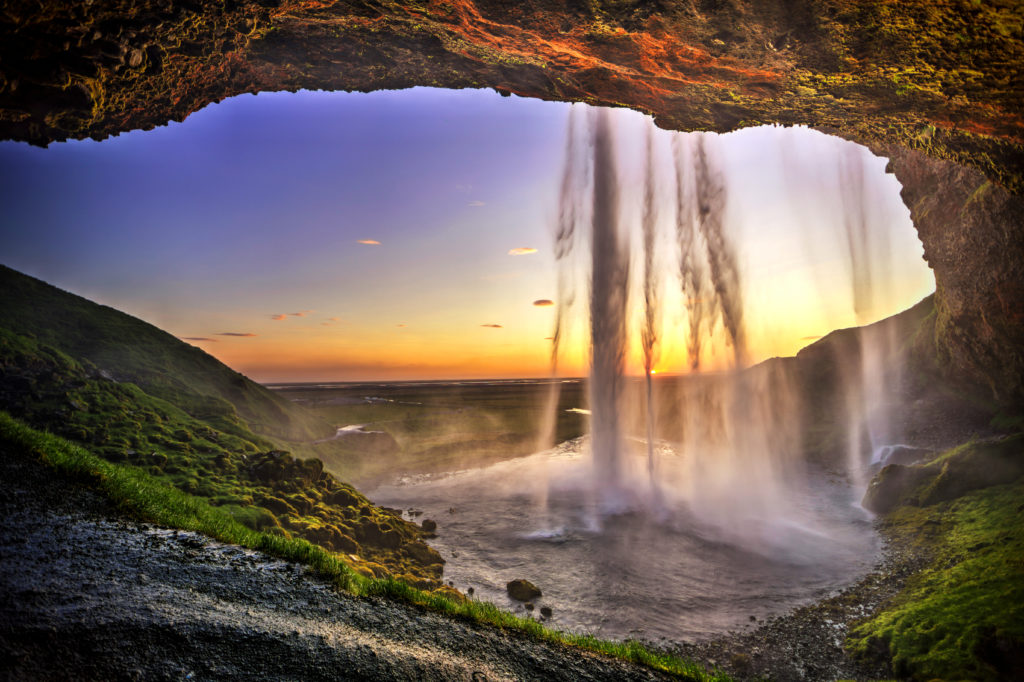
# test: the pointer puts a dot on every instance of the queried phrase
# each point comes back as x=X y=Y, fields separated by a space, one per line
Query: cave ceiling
x=936 y=86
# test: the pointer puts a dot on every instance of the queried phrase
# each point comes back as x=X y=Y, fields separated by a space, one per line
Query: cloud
x=492 y=326
x=196 y=338
x=476 y=203
x=401 y=325
x=278 y=317
x=368 y=242
x=549 y=338
x=543 y=302
x=810 y=338
x=522 y=251
x=243 y=334
x=302 y=313
x=334 y=319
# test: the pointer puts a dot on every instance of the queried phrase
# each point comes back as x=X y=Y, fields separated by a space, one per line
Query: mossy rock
x=893 y=486
x=978 y=466
x=450 y=593
x=522 y=590
x=276 y=505
x=422 y=554
x=344 y=544
x=947 y=477
x=344 y=497
x=301 y=502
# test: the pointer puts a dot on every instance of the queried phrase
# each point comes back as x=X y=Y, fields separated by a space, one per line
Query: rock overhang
x=934 y=85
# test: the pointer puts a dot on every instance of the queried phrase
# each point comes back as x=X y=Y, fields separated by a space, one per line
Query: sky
x=395 y=235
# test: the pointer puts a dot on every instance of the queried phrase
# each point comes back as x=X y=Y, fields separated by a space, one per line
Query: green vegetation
x=148 y=498
x=125 y=349
x=198 y=443
x=960 y=617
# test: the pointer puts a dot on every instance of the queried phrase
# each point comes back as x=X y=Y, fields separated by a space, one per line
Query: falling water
x=727 y=444
x=648 y=335
x=691 y=505
x=608 y=300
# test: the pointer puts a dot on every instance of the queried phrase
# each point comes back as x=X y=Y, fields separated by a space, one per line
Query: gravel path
x=87 y=594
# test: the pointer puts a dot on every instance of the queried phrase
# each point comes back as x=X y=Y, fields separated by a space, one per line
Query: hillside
x=127 y=349
x=133 y=394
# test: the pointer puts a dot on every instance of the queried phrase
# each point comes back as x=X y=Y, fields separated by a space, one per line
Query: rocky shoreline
x=807 y=643
x=88 y=594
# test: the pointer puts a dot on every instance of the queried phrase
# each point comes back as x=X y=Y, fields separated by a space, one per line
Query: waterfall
x=608 y=301
x=665 y=270
x=648 y=335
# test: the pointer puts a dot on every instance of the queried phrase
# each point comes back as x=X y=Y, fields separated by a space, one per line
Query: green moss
x=960 y=617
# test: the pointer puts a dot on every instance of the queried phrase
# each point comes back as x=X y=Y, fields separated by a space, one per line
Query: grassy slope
x=196 y=442
x=148 y=498
x=961 y=617
x=129 y=349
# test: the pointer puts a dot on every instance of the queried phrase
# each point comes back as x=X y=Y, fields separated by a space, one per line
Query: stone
x=276 y=505
x=522 y=590
x=423 y=554
x=545 y=611
x=342 y=498
x=891 y=487
x=429 y=525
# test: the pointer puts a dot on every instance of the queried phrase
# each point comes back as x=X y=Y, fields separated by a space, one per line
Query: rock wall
x=973 y=236
x=937 y=76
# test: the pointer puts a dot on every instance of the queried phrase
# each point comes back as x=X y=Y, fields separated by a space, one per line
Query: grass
x=150 y=499
x=961 y=617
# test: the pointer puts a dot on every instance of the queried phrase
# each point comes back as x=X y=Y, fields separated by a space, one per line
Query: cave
x=935 y=87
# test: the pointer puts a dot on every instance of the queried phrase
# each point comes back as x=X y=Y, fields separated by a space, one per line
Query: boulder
x=343 y=497
x=978 y=466
x=422 y=554
x=276 y=505
x=429 y=525
x=522 y=590
x=891 y=487
x=343 y=543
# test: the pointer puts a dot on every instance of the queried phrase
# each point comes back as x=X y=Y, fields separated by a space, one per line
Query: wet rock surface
x=87 y=594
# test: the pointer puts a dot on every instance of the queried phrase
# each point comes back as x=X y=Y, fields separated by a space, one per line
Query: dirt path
x=87 y=594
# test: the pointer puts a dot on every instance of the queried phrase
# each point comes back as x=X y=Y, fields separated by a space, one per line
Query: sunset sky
x=405 y=235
